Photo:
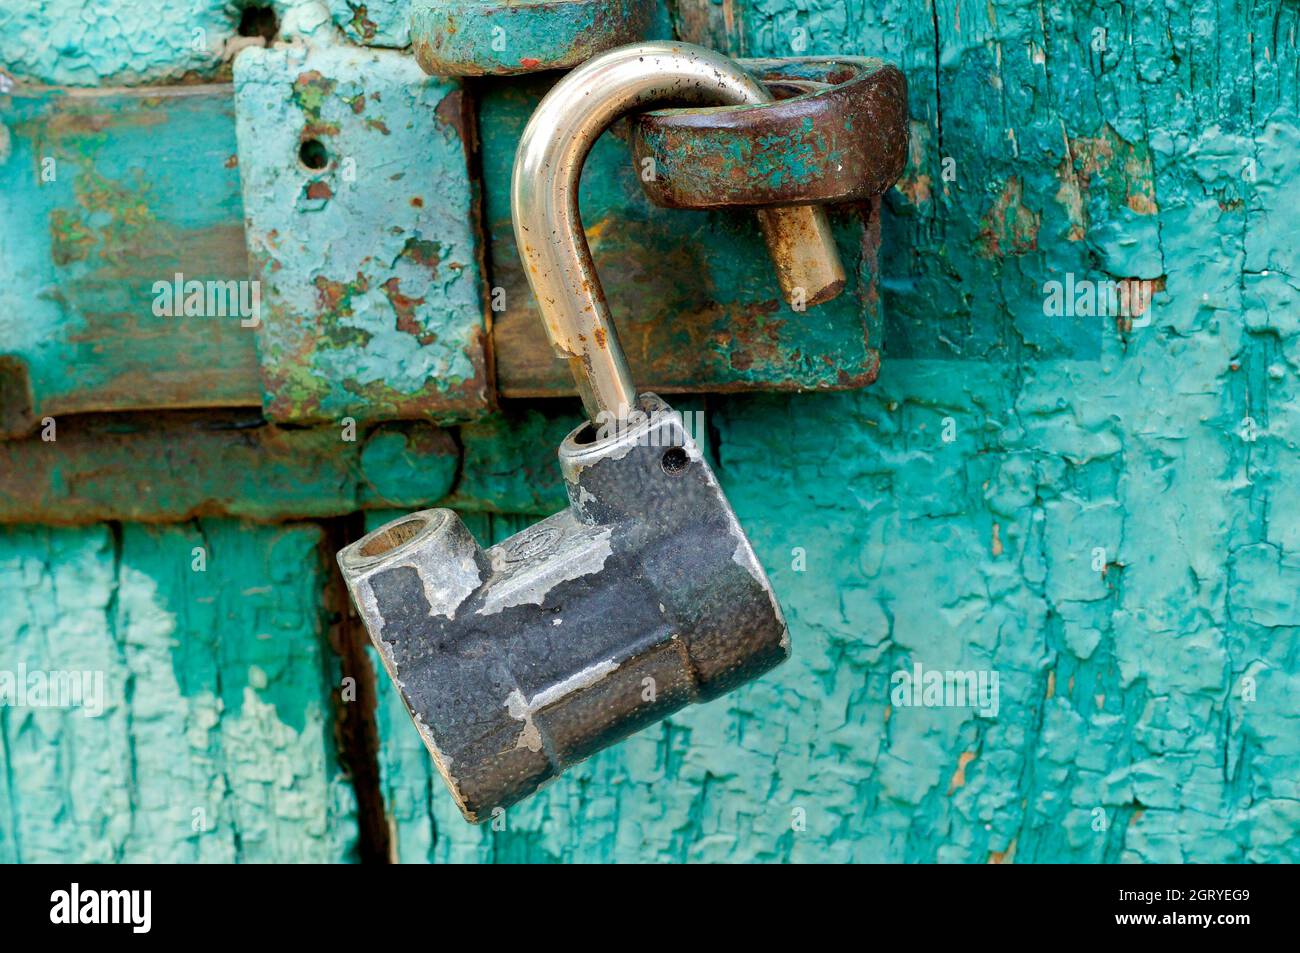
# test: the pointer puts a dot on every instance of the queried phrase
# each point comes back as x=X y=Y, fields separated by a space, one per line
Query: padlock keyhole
x=675 y=460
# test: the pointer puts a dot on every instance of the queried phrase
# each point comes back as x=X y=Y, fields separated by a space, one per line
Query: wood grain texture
x=104 y=194
x=168 y=468
x=215 y=739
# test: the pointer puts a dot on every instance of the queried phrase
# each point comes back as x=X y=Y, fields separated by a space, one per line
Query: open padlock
x=644 y=594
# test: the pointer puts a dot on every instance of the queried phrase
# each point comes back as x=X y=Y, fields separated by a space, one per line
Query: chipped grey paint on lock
x=448 y=572
x=522 y=709
x=520 y=660
x=577 y=551
x=573 y=463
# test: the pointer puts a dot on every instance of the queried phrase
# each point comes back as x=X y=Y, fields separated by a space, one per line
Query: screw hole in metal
x=312 y=154
x=675 y=461
x=389 y=538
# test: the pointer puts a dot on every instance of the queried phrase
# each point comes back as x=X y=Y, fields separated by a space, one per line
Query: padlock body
x=522 y=659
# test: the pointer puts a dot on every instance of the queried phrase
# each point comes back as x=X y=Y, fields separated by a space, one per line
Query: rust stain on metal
x=310 y=90
x=1009 y=227
x=405 y=309
x=459 y=38
x=421 y=251
x=837 y=132
x=17 y=416
x=365 y=27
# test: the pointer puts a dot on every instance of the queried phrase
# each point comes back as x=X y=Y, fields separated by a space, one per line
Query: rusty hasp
x=800 y=240
x=730 y=330
x=544 y=198
x=644 y=594
x=361 y=232
x=837 y=133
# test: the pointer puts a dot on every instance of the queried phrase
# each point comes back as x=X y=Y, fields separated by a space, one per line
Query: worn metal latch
x=644 y=594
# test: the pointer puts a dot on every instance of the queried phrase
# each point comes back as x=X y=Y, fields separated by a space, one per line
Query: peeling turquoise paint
x=97 y=210
x=77 y=43
x=373 y=22
x=215 y=741
x=366 y=247
x=1147 y=708
x=1147 y=712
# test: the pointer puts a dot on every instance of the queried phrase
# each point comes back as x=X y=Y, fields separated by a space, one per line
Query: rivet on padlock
x=644 y=594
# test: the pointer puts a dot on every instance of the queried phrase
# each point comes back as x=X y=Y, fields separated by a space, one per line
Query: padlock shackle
x=544 y=197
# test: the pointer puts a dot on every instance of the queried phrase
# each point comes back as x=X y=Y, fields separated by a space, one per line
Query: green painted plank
x=172 y=467
x=163 y=468
x=108 y=193
x=215 y=740
x=1142 y=715
x=1024 y=165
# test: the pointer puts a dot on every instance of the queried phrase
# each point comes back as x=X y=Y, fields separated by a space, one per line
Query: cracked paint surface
x=92 y=43
x=215 y=743
x=1147 y=707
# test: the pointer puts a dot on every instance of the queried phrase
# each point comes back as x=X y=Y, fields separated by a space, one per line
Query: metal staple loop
x=837 y=133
